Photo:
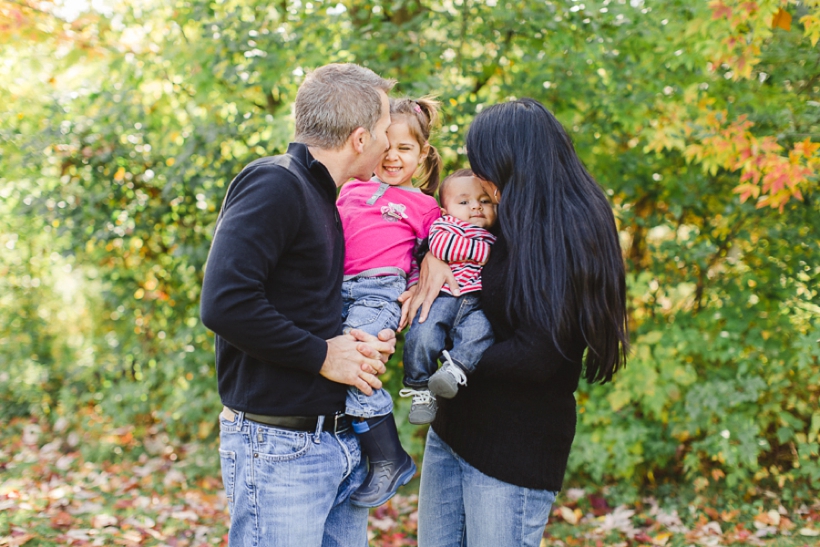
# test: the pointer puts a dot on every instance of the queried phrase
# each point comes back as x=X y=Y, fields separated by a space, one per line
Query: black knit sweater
x=272 y=289
x=515 y=419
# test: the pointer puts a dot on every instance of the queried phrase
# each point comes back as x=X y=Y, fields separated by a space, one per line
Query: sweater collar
x=321 y=176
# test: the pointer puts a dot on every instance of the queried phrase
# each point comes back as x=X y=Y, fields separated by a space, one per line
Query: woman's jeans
x=459 y=506
x=455 y=319
x=371 y=304
x=291 y=488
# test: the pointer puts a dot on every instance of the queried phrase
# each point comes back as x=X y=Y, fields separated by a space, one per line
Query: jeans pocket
x=227 y=459
x=279 y=445
x=373 y=312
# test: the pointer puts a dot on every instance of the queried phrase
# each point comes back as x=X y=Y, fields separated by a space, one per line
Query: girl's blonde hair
x=421 y=115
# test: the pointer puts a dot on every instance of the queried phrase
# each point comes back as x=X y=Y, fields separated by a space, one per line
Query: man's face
x=467 y=200
x=377 y=143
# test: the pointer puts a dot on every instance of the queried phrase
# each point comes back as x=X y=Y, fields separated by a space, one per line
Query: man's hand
x=381 y=347
x=433 y=274
x=346 y=364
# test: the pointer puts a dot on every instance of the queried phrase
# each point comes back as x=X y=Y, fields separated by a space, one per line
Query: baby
x=460 y=238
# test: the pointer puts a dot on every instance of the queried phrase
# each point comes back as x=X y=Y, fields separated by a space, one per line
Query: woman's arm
x=433 y=274
x=529 y=356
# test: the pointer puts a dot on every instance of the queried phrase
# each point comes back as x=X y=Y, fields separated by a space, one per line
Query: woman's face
x=491 y=189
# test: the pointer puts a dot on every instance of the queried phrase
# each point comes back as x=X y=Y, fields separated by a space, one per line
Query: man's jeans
x=457 y=319
x=371 y=304
x=291 y=488
x=459 y=506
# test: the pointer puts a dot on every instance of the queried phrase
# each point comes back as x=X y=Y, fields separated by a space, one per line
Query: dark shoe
x=445 y=381
x=390 y=465
x=423 y=408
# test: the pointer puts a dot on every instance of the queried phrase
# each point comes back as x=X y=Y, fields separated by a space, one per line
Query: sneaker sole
x=402 y=479
x=440 y=388
x=420 y=422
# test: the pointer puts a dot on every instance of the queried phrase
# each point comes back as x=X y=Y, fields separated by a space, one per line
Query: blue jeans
x=459 y=506
x=291 y=488
x=371 y=304
x=458 y=319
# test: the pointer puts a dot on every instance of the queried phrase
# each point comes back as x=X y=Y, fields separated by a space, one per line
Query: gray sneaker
x=423 y=408
x=445 y=381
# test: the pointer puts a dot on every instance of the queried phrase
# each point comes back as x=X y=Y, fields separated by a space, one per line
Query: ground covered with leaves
x=55 y=490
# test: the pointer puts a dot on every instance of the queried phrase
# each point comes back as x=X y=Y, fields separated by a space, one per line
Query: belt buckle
x=336 y=418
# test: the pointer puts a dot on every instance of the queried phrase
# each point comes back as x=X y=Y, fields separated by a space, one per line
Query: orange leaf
x=782 y=19
x=720 y=10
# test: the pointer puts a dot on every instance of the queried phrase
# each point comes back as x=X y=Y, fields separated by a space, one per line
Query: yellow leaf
x=568 y=515
x=782 y=19
x=811 y=26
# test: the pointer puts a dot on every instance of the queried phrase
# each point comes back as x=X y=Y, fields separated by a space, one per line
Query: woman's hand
x=433 y=274
x=404 y=299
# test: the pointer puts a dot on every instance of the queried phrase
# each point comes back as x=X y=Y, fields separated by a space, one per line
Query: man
x=272 y=296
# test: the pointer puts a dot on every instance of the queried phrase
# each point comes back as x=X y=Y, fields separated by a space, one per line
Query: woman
x=554 y=293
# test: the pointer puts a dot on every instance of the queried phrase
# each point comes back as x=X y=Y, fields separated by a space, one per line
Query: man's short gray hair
x=335 y=100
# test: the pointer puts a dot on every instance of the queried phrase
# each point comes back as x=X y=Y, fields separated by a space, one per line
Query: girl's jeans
x=459 y=506
x=457 y=319
x=371 y=304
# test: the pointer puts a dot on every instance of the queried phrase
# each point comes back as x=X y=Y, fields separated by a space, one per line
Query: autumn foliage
x=122 y=126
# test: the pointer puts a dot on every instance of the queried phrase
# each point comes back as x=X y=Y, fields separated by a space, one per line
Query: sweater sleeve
x=260 y=219
x=529 y=356
x=452 y=243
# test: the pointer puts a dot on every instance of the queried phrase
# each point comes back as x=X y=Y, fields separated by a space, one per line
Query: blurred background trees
x=122 y=123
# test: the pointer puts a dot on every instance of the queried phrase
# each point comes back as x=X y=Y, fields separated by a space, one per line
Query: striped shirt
x=464 y=246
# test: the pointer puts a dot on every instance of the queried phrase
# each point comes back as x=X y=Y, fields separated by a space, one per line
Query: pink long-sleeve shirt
x=383 y=224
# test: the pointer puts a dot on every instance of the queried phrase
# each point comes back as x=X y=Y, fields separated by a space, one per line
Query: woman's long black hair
x=566 y=272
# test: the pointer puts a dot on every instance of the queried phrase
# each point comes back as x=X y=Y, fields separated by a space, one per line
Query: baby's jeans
x=458 y=320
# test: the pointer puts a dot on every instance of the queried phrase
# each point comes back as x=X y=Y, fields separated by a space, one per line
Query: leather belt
x=335 y=423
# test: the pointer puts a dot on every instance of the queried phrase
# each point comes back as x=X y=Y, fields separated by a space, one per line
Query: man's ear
x=359 y=139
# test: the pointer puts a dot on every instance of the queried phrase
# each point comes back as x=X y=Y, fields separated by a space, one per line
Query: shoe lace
x=420 y=397
x=454 y=369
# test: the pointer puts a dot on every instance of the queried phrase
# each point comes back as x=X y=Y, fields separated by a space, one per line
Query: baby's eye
x=462 y=203
x=486 y=201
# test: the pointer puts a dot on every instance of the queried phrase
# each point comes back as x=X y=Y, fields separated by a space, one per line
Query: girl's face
x=402 y=158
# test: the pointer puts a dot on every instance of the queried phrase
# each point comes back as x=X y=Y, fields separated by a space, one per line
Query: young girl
x=384 y=221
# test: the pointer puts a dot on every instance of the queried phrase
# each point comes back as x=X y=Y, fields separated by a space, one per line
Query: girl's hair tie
x=417 y=108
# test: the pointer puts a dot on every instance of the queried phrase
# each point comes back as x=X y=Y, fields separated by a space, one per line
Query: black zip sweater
x=272 y=288
x=515 y=419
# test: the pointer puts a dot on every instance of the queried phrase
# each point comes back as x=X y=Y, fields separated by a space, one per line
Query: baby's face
x=465 y=199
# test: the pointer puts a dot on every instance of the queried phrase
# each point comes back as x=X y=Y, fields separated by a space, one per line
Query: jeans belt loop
x=317 y=436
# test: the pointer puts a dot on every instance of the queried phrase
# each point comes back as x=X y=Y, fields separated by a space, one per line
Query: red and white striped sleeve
x=452 y=240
